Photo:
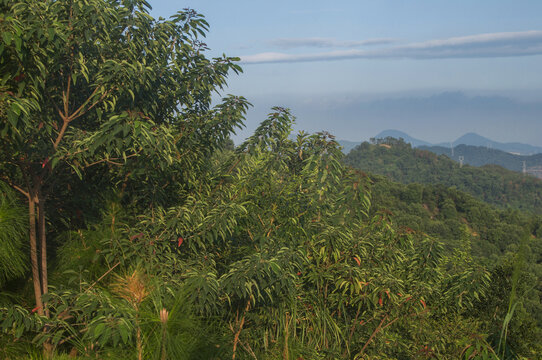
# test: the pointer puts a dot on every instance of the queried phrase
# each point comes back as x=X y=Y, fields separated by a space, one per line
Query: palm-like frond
x=13 y=231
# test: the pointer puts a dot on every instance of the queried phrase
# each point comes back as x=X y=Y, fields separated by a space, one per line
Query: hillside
x=493 y=184
x=480 y=156
x=466 y=224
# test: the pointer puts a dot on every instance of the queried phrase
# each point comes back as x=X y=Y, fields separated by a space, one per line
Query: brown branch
x=238 y=333
x=77 y=152
x=61 y=133
x=101 y=277
x=57 y=108
x=354 y=325
x=43 y=246
x=34 y=254
x=19 y=189
x=83 y=105
x=79 y=111
x=248 y=349
x=390 y=323
x=378 y=328
x=261 y=221
x=66 y=97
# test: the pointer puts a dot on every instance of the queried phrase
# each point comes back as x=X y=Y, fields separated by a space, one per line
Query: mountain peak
x=469 y=138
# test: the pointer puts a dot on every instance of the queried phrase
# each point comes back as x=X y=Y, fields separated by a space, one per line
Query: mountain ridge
x=471 y=138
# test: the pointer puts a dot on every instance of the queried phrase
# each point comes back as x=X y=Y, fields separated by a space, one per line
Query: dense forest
x=131 y=227
x=464 y=224
x=490 y=183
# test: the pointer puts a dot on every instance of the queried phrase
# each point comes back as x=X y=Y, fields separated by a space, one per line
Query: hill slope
x=479 y=156
x=490 y=183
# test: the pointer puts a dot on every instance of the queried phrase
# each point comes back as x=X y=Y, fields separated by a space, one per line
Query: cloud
x=291 y=43
x=474 y=46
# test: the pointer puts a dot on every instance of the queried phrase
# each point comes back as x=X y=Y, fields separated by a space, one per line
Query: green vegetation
x=494 y=237
x=493 y=184
x=479 y=156
x=151 y=237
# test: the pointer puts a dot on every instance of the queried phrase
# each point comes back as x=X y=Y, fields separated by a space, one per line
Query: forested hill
x=466 y=225
x=480 y=155
x=490 y=183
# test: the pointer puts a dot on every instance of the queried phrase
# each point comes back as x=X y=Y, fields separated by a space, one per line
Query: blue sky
x=434 y=69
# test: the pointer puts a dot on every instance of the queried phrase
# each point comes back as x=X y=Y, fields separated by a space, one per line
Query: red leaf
x=357 y=260
x=423 y=303
x=380 y=301
x=180 y=241
x=44 y=163
x=299 y=273
x=40 y=125
x=133 y=237
x=36 y=309
x=19 y=77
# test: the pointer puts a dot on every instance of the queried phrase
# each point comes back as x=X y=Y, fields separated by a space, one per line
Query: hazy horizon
x=361 y=67
x=360 y=117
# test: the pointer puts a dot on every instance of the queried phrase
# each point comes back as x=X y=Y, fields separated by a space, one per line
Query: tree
x=100 y=83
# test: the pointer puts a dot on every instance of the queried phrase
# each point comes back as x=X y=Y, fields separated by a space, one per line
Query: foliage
x=275 y=247
x=101 y=83
x=490 y=234
x=480 y=156
x=493 y=184
x=178 y=246
x=13 y=232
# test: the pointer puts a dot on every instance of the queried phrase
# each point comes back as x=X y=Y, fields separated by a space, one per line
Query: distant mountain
x=514 y=148
x=467 y=139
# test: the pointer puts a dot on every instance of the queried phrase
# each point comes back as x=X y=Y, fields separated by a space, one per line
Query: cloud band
x=474 y=46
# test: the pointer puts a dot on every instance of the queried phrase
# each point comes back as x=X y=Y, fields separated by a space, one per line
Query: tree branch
x=110 y=160
x=101 y=277
x=79 y=112
x=61 y=133
x=373 y=334
x=66 y=97
x=19 y=189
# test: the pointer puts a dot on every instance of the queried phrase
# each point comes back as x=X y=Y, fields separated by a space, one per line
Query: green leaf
x=7 y=37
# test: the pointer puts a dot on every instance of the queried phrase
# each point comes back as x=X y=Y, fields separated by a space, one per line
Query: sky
x=434 y=69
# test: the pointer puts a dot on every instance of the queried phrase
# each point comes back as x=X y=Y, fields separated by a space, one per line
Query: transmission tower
x=452 y=146
x=524 y=167
x=461 y=158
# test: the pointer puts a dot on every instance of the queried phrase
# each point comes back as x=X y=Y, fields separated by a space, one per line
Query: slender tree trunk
x=34 y=252
x=43 y=245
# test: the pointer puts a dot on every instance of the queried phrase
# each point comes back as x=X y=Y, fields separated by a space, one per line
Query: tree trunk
x=34 y=253
x=43 y=246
